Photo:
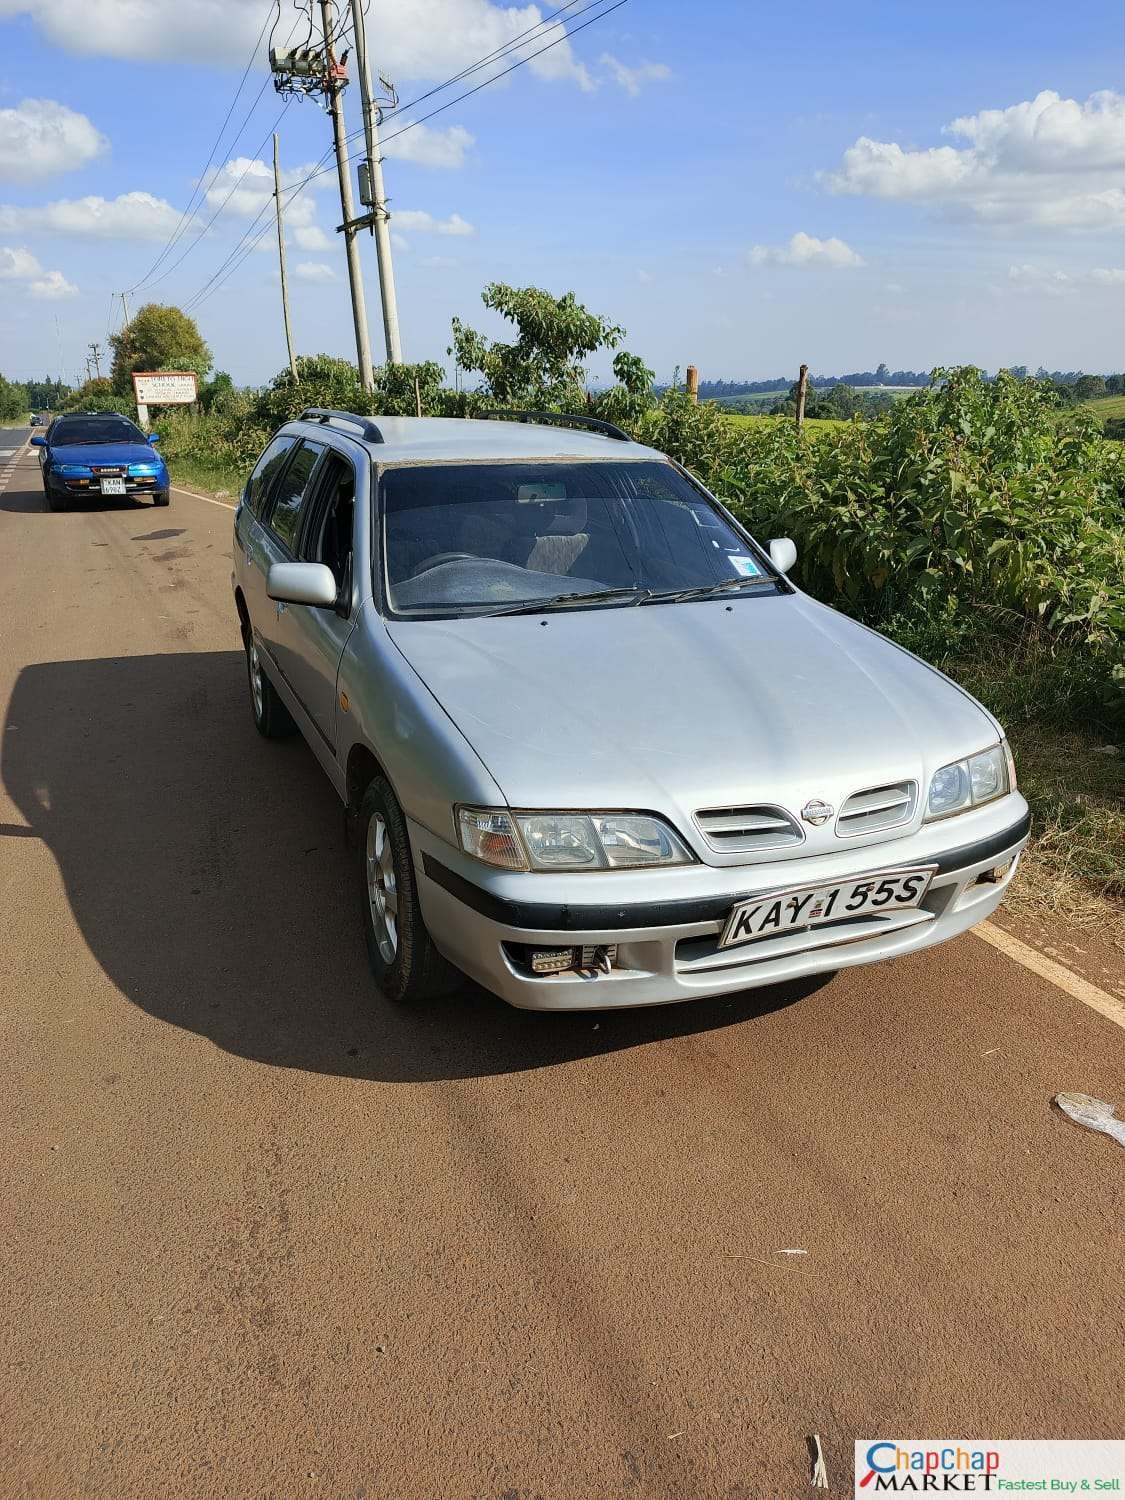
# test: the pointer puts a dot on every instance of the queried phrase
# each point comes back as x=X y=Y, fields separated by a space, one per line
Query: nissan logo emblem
x=817 y=812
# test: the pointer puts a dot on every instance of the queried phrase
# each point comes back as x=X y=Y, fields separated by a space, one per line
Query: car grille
x=877 y=807
x=114 y=471
x=741 y=830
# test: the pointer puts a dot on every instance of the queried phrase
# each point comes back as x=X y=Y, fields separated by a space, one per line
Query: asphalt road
x=265 y=1236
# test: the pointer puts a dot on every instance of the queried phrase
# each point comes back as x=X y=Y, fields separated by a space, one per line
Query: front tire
x=160 y=498
x=272 y=719
x=404 y=961
x=55 y=501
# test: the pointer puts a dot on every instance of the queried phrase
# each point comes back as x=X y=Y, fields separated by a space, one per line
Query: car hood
x=104 y=453
x=684 y=706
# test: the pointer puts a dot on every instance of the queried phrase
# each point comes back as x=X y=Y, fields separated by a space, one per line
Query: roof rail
x=326 y=414
x=562 y=419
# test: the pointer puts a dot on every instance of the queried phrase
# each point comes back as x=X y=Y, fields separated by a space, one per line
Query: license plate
x=112 y=486
x=812 y=905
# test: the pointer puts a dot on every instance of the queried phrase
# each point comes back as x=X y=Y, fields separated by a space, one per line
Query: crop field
x=1106 y=406
x=753 y=419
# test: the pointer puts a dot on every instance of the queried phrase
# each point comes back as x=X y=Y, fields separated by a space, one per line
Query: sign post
x=162 y=388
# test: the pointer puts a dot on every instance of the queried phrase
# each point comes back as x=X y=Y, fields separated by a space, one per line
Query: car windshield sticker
x=745 y=565
x=535 y=494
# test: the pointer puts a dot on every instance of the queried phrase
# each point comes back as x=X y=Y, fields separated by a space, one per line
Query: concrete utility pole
x=96 y=356
x=124 y=311
x=378 y=202
x=281 y=256
x=332 y=87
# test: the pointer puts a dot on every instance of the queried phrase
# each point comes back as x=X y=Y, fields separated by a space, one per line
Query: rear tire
x=406 y=965
x=272 y=719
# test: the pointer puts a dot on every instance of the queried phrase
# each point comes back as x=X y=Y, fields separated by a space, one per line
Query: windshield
x=96 y=430
x=475 y=538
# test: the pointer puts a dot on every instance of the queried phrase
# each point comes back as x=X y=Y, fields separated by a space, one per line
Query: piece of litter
x=790 y=1252
x=819 y=1472
x=672 y=1435
x=990 y=1051
x=1095 y=1114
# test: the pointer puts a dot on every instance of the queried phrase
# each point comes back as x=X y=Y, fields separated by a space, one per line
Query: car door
x=280 y=524
x=252 y=555
x=312 y=640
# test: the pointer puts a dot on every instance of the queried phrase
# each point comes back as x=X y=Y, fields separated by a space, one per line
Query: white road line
x=176 y=490
x=1056 y=974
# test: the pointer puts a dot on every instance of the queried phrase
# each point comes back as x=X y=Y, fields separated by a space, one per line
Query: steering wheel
x=442 y=557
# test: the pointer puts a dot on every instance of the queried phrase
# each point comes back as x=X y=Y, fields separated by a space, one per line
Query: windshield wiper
x=705 y=590
x=564 y=601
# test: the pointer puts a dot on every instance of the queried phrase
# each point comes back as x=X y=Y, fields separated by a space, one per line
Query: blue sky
x=743 y=186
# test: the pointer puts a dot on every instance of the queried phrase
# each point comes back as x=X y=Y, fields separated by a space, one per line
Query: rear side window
x=266 y=471
x=284 y=519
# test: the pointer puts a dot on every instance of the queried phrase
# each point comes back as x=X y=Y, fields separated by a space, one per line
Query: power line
x=186 y=216
x=233 y=260
x=542 y=26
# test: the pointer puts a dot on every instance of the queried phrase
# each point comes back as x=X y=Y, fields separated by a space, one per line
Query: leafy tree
x=542 y=368
x=1089 y=388
x=99 y=395
x=13 y=401
x=1114 y=384
x=46 y=395
x=158 y=338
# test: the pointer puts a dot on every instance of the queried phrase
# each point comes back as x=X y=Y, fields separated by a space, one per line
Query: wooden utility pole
x=692 y=383
x=281 y=257
x=802 y=395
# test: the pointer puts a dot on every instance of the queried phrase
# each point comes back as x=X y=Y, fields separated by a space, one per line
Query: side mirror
x=783 y=553
x=153 y=437
x=302 y=583
x=38 y=442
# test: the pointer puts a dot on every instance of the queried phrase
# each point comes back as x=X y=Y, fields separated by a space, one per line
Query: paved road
x=267 y=1237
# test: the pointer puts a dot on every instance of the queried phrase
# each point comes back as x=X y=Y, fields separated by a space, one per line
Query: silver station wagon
x=595 y=748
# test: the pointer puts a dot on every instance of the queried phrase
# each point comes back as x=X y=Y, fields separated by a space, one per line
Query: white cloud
x=419 y=39
x=438 y=262
x=310 y=237
x=426 y=147
x=130 y=216
x=51 y=285
x=806 y=250
x=314 y=270
x=1048 y=162
x=243 y=186
x=18 y=264
x=632 y=79
x=40 y=137
x=1047 y=282
x=414 y=218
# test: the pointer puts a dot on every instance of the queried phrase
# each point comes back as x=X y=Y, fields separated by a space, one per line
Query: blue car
x=100 y=453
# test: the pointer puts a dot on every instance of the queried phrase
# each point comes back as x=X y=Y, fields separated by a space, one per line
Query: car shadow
x=31 y=498
x=207 y=871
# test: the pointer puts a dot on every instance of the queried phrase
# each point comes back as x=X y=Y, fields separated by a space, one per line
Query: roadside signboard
x=164 y=387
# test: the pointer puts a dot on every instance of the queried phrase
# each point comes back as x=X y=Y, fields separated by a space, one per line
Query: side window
x=328 y=534
x=265 y=472
x=284 y=516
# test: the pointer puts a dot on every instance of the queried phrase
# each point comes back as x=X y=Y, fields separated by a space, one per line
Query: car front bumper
x=135 y=489
x=667 y=945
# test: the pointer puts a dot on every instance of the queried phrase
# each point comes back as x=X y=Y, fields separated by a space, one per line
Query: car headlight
x=75 y=471
x=971 y=782
x=569 y=841
x=143 y=470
